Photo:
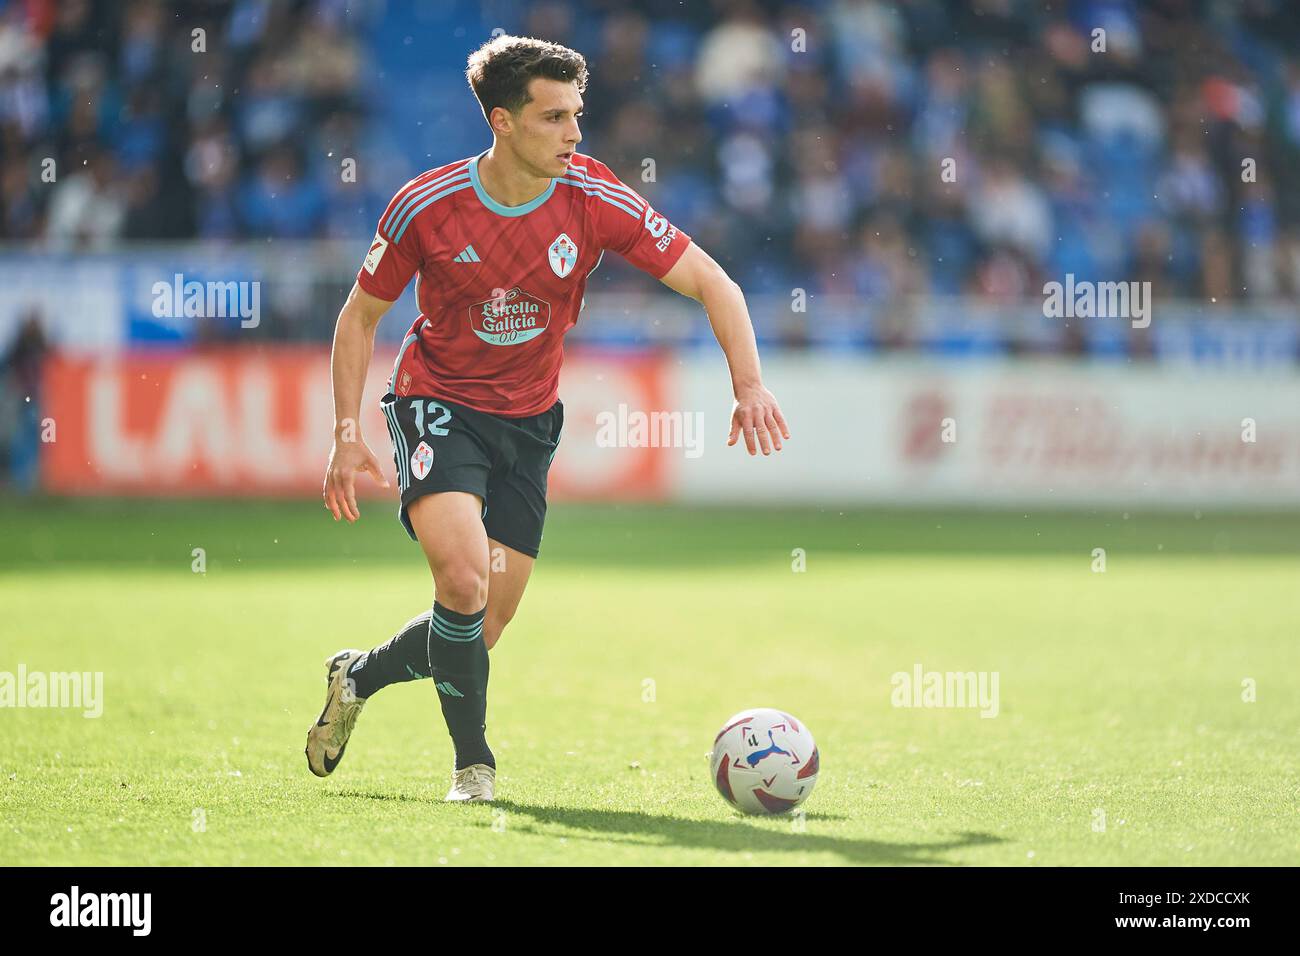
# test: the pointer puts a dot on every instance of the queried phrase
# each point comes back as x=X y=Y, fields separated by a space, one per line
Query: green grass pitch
x=1121 y=693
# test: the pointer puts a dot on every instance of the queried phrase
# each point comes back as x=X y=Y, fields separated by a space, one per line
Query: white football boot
x=473 y=784
x=328 y=737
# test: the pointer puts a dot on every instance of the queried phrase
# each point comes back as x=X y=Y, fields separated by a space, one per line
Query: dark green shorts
x=443 y=446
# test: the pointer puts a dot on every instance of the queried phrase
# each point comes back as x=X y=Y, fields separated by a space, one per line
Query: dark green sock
x=458 y=659
x=405 y=657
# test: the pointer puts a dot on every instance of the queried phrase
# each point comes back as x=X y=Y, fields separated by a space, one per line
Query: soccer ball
x=764 y=761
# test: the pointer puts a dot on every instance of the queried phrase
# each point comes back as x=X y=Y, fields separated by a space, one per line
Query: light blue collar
x=495 y=206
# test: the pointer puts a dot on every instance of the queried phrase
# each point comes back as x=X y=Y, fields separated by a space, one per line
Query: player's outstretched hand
x=347 y=460
x=759 y=417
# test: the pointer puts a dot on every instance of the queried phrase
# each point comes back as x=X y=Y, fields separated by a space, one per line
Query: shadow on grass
x=735 y=835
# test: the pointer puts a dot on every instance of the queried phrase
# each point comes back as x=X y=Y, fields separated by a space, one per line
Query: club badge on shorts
x=563 y=255
x=422 y=460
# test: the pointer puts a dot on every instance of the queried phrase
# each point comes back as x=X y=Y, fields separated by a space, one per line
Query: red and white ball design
x=764 y=761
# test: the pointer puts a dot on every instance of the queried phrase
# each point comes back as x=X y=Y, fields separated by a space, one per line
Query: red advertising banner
x=593 y=385
x=259 y=422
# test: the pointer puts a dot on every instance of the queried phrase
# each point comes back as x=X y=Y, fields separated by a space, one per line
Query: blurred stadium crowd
x=804 y=143
x=153 y=140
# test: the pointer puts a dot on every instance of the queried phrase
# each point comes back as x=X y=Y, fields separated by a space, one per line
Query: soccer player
x=503 y=243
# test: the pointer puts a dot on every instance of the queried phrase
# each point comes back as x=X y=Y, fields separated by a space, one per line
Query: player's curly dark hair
x=500 y=69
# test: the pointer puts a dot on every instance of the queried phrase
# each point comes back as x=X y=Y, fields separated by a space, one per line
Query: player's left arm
x=755 y=413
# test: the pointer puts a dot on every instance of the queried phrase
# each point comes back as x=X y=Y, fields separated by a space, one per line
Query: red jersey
x=500 y=285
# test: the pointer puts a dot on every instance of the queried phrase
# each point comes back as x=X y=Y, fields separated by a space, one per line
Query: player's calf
x=450 y=647
x=403 y=658
x=458 y=658
x=492 y=630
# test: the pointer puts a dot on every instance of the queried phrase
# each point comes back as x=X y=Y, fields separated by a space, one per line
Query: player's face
x=547 y=129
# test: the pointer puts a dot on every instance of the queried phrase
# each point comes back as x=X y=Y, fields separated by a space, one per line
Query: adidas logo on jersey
x=468 y=255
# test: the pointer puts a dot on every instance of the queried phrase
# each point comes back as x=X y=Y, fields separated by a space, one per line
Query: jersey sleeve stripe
x=415 y=194
x=618 y=188
x=399 y=200
x=590 y=191
x=410 y=216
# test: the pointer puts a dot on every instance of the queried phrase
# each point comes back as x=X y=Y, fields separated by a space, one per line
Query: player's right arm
x=394 y=257
x=354 y=344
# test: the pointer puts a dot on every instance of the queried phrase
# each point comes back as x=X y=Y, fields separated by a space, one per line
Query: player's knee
x=462 y=588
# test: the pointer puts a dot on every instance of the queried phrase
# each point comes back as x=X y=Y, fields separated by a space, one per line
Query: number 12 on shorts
x=435 y=424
